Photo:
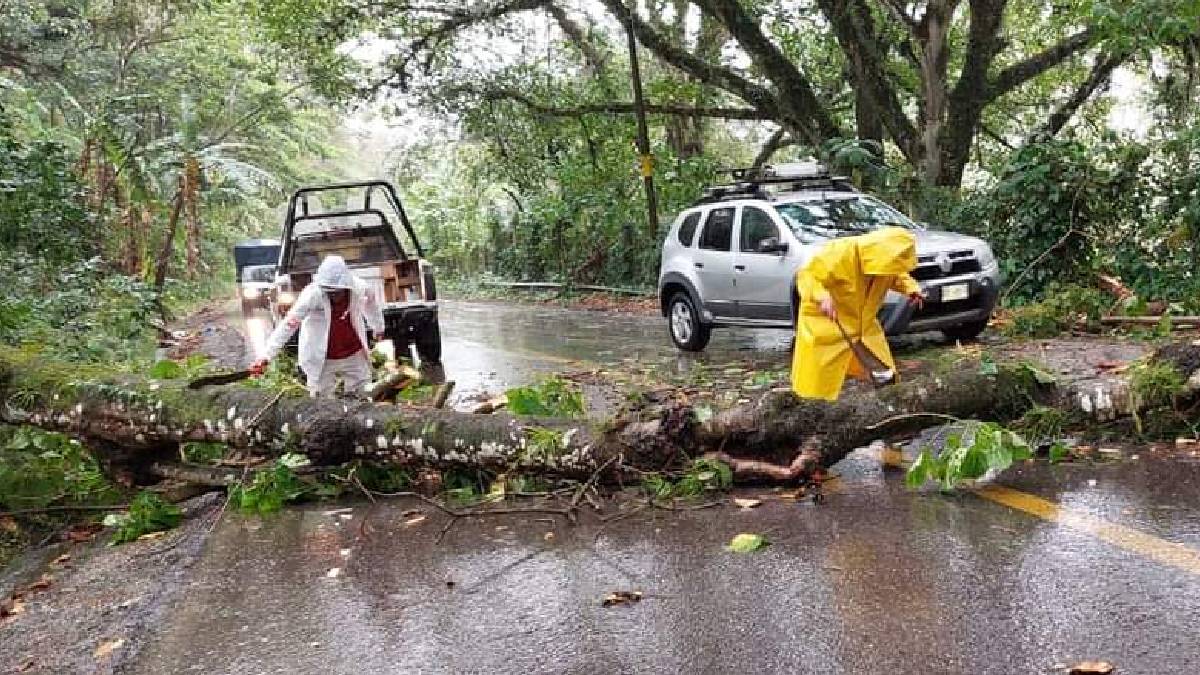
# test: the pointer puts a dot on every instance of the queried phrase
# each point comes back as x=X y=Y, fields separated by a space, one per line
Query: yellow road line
x=1136 y=541
x=1146 y=545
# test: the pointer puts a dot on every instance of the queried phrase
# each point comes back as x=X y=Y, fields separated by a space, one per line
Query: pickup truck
x=360 y=229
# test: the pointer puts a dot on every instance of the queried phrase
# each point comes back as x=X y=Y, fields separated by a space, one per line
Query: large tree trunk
x=135 y=425
x=163 y=263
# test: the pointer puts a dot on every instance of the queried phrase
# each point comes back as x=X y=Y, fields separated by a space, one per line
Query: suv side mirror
x=772 y=245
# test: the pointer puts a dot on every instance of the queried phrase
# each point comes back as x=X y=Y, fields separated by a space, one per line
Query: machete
x=220 y=378
x=878 y=370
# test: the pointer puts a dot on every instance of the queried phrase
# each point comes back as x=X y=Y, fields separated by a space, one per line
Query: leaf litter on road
x=747 y=542
x=747 y=503
x=621 y=598
x=105 y=649
x=11 y=607
x=1092 y=668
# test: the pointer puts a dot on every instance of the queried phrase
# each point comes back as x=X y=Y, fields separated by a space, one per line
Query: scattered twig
x=689 y=507
x=62 y=509
x=910 y=416
x=228 y=497
x=609 y=520
x=443 y=393
x=262 y=411
x=1150 y=320
x=449 y=524
x=590 y=482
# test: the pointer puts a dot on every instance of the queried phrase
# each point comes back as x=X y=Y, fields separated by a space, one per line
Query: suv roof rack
x=764 y=182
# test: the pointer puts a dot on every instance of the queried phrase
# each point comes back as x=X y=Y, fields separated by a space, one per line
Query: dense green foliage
x=271 y=488
x=533 y=173
x=552 y=397
x=147 y=514
x=138 y=142
x=39 y=469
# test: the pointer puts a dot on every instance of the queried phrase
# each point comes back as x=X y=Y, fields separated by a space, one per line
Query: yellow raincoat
x=857 y=272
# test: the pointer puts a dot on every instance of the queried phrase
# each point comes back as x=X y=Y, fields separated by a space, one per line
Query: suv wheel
x=965 y=331
x=687 y=332
x=429 y=344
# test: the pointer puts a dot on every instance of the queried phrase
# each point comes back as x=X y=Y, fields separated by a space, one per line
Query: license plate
x=954 y=292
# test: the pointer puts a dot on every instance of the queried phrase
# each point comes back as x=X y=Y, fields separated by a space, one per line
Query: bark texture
x=135 y=424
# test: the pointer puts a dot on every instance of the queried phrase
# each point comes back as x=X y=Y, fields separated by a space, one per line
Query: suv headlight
x=986 y=257
x=249 y=293
x=286 y=298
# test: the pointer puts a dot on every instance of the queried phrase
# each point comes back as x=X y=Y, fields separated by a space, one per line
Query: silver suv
x=731 y=258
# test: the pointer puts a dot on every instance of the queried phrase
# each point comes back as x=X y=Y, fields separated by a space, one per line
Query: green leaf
x=1039 y=375
x=973 y=463
x=747 y=543
x=294 y=460
x=1059 y=452
x=921 y=471
x=166 y=370
x=987 y=366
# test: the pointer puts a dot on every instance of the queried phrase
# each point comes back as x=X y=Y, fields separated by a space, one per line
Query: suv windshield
x=831 y=216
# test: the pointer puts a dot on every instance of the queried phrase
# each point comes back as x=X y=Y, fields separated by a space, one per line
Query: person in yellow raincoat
x=846 y=281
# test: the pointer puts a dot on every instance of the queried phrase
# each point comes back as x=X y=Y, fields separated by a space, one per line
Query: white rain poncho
x=310 y=315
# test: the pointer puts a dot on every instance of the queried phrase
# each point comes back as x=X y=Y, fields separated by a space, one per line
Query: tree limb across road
x=134 y=424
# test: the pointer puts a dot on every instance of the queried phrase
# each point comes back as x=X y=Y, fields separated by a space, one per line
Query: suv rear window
x=687 y=231
x=718 y=230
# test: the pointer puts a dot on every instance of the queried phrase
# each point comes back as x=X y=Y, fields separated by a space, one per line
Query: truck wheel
x=429 y=344
x=965 y=331
x=683 y=321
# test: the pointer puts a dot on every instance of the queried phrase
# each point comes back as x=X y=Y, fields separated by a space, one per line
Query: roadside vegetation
x=138 y=141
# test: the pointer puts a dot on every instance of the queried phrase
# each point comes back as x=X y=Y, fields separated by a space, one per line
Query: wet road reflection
x=875 y=579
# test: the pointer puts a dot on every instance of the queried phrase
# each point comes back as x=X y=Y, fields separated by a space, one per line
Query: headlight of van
x=286 y=298
x=250 y=293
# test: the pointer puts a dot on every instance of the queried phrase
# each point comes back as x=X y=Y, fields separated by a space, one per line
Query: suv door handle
x=740 y=268
x=699 y=265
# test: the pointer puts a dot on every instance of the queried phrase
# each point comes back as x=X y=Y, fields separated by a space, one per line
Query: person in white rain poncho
x=332 y=314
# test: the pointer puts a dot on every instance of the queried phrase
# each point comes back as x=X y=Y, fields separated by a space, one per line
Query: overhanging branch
x=1021 y=72
x=856 y=38
x=709 y=73
x=1101 y=72
x=619 y=107
x=777 y=141
x=800 y=102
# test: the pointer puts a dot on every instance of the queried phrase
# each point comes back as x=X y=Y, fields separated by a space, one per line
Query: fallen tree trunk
x=136 y=426
x=1149 y=320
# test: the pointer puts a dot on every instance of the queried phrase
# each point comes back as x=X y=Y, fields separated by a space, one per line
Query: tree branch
x=1102 y=71
x=969 y=96
x=1021 y=72
x=776 y=142
x=709 y=73
x=458 y=20
x=896 y=9
x=849 y=21
x=617 y=107
x=795 y=93
x=591 y=56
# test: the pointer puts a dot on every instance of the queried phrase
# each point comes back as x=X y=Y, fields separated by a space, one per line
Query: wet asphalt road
x=491 y=347
x=876 y=579
x=484 y=351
